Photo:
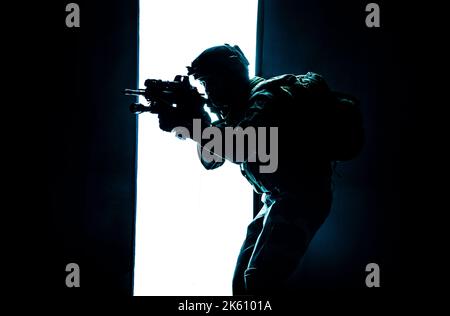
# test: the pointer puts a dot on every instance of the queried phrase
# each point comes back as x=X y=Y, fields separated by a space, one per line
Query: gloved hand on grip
x=183 y=106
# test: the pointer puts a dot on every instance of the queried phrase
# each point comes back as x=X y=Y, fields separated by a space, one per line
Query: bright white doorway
x=190 y=222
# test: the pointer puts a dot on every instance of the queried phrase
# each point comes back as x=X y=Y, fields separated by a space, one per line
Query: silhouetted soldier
x=297 y=196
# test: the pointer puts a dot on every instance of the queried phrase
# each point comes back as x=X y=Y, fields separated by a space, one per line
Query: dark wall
x=87 y=176
x=371 y=198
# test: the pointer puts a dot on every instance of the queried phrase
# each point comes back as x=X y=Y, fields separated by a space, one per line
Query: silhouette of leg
x=253 y=231
x=288 y=229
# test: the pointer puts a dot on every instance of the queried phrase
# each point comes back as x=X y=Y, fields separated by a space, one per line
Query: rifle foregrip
x=138 y=108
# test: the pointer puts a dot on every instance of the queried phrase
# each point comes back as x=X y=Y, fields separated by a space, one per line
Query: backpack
x=331 y=121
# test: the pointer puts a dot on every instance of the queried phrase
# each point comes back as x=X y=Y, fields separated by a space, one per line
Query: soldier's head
x=223 y=70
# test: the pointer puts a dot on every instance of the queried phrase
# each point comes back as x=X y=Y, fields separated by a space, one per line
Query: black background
x=74 y=187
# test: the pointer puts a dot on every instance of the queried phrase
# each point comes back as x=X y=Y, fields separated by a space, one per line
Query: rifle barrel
x=134 y=92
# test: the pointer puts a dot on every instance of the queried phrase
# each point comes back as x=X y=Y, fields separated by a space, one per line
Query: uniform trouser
x=277 y=239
